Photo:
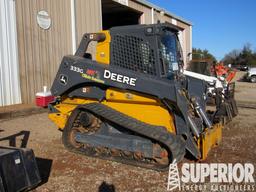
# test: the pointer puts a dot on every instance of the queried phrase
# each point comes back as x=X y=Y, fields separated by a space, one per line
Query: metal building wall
x=88 y=19
x=187 y=40
x=9 y=78
x=40 y=50
x=147 y=16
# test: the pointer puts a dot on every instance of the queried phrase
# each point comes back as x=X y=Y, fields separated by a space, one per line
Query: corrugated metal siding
x=88 y=19
x=41 y=51
x=186 y=38
x=188 y=43
x=146 y=10
x=9 y=78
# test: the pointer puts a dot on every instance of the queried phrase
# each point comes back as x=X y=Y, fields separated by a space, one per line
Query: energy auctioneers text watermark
x=211 y=177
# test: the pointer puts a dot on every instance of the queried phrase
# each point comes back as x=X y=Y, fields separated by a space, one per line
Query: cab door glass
x=168 y=49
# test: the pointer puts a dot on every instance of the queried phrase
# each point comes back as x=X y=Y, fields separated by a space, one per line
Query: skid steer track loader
x=133 y=104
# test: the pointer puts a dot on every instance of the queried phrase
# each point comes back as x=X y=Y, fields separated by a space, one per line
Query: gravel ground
x=245 y=91
x=66 y=171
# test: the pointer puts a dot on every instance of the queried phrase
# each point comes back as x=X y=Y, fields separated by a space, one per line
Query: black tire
x=253 y=79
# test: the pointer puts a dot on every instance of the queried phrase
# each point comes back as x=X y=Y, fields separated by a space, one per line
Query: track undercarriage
x=99 y=131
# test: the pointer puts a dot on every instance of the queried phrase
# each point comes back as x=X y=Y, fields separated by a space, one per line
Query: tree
x=231 y=58
x=202 y=54
x=244 y=57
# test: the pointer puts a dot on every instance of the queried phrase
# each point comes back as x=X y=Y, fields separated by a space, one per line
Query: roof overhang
x=151 y=5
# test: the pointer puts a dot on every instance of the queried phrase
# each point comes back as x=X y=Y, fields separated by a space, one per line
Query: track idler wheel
x=84 y=123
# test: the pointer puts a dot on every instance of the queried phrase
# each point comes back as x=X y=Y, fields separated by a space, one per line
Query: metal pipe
x=202 y=113
x=193 y=126
x=205 y=118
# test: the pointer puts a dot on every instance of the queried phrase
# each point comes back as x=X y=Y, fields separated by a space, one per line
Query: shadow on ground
x=105 y=187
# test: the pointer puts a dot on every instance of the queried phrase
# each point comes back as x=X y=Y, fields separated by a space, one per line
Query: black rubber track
x=174 y=144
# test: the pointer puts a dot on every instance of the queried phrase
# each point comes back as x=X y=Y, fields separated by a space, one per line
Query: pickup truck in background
x=251 y=75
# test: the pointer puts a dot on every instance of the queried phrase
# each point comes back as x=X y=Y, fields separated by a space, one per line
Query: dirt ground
x=64 y=171
x=245 y=92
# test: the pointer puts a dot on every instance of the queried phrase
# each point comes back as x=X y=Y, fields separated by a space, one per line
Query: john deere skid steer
x=133 y=104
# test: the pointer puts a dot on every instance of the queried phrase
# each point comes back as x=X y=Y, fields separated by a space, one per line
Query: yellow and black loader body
x=133 y=104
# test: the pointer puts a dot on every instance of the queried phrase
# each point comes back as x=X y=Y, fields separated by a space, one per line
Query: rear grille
x=133 y=53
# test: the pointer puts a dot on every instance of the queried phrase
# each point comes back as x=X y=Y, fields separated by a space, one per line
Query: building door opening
x=116 y=14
